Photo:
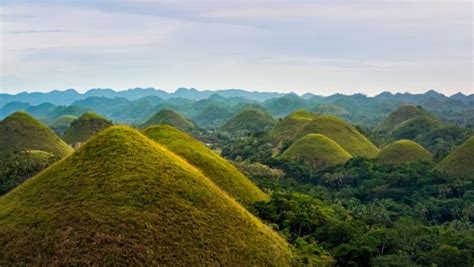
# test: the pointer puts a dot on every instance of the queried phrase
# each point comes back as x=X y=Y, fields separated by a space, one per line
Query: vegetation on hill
x=316 y=151
x=84 y=127
x=20 y=131
x=460 y=162
x=289 y=126
x=249 y=121
x=61 y=124
x=331 y=109
x=16 y=167
x=404 y=151
x=123 y=199
x=404 y=114
x=220 y=171
x=169 y=117
x=347 y=136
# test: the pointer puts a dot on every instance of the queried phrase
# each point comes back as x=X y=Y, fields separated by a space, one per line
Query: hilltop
x=316 y=151
x=407 y=116
x=123 y=199
x=291 y=124
x=169 y=117
x=249 y=120
x=220 y=171
x=403 y=151
x=460 y=162
x=61 y=124
x=346 y=135
x=20 y=131
x=84 y=127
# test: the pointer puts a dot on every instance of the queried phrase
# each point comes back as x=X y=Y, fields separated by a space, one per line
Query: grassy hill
x=403 y=151
x=220 y=171
x=342 y=133
x=61 y=124
x=401 y=117
x=316 y=151
x=84 y=127
x=249 y=121
x=20 y=131
x=289 y=126
x=460 y=162
x=122 y=199
x=169 y=117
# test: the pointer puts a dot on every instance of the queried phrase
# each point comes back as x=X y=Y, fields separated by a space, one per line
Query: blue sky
x=314 y=46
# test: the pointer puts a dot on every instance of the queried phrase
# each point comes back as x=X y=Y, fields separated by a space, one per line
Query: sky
x=318 y=46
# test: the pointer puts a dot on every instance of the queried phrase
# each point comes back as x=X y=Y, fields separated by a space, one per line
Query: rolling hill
x=403 y=115
x=342 y=133
x=84 y=127
x=220 y=171
x=61 y=124
x=249 y=121
x=122 y=199
x=20 y=131
x=289 y=126
x=316 y=151
x=403 y=151
x=460 y=162
x=169 y=117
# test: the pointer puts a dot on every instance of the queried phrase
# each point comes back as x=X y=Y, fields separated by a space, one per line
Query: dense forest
x=343 y=180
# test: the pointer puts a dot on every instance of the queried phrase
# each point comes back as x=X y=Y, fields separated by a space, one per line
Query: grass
x=316 y=151
x=403 y=151
x=61 y=124
x=289 y=126
x=403 y=114
x=342 y=133
x=122 y=199
x=220 y=171
x=84 y=127
x=169 y=117
x=249 y=120
x=20 y=131
x=460 y=162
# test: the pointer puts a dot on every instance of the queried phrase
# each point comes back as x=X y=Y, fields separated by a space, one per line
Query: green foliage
x=220 y=171
x=169 y=117
x=84 y=127
x=123 y=199
x=403 y=151
x=405 y=114
x=20 y=131
x=16 y=167
x=249 y=120
x=460 y=162
x=342 y=133
x=316 y=151
x=61 y=124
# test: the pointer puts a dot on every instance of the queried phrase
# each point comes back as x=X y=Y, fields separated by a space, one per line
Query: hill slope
x=122 y=199
x=84 y=127
x=403 y=114
x=220 y=171
x=249 y=121
x=404 y=151
x=169 y=117
x=342 y=133
x=20 y=131
x=61 y=124
x=290 y=125
x=317 y=151
x=460 y=162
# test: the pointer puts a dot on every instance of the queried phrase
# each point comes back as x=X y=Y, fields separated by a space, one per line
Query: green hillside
x=411 y=128
x=331 y=109
x=220 y=171
x=61 y=124
x=169 y=117
x=403 y=151
x=84 y=127
x=16 y=167
x=342 y=133
x=123 y=199
x=404 y=114
x=20 y=131
x=460 y=162
x=291 y=124
x=249 y=121
x=316 y=151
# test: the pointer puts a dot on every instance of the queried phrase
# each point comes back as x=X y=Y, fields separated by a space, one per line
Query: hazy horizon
x=321 y=47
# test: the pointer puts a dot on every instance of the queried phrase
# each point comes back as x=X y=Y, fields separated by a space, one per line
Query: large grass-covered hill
x=124 y=200
x=249 y=120
x=403 y=151
x=170 y=117
x=460 y=162
x=84 y=127
x=219 y=170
